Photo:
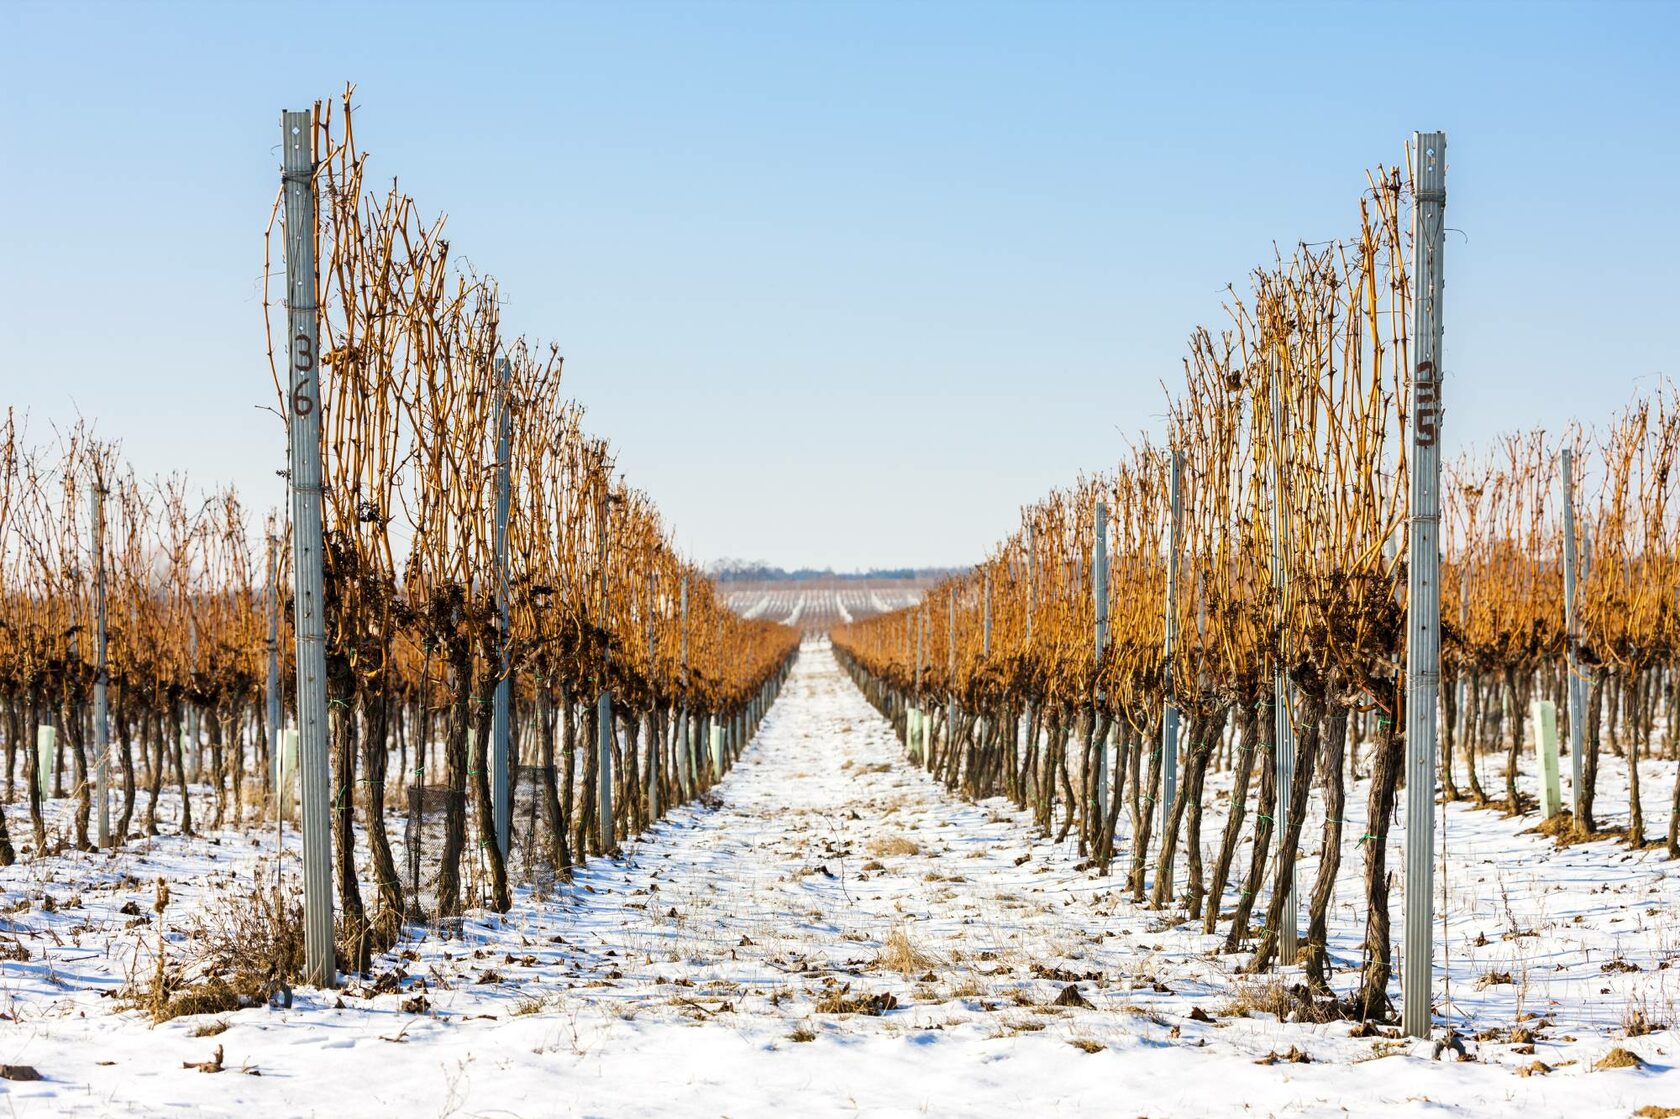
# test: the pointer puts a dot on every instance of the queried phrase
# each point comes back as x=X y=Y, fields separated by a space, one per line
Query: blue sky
x=844 y=284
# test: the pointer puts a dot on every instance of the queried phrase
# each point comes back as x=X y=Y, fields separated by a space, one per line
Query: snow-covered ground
x=702 y=972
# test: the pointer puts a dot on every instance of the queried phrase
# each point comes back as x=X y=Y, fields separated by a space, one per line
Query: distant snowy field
x=820 y=606
x=701 y=973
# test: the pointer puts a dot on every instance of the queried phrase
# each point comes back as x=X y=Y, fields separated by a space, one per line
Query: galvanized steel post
x=1169 y=716
x=1423 y=591
x=603 y=722
x=1577 y=703
x=951 y=669
x=500 y=811
x=297 y=131
x=603 y=702
x=1283 y=720
x=685 y=734
x=101 y=676
x=652 y=780
x=1099 y=601
x=1099 y=580
x=922 y=719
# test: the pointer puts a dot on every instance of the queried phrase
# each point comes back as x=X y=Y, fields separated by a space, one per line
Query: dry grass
x=899 y=953
x=241 y=954
x=1291 y=1056
x=1637 y=1023
x=1619 y=1058
x=1010 y=1027
x=839 y=1002
x=1263 y=996
x=1286 y=1002
x=1566 y=832
x=894 y=845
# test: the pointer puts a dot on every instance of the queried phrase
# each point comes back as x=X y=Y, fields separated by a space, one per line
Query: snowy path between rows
x=699 y=975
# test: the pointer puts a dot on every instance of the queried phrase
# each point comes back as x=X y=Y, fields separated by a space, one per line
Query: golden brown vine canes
x=130 y=577
x=272 y=717
x=1172 y=805
x=1486 y=598
x=231 y=627
x=1248 y=342
x=8 y=647
x=179 y=539
x=1287 y=361
x=501 y=788
x=1054 y=662
x=38 y=629
x=10 y=596
x=1136 y=637
x=433 y=577
x=540 y=548
x=1208 y=426
x=96 y=493
x=1351 y=625
x=1293 y=477
x=367 y=336
x=1528 y=467
x=1111 y=775
x=1631 y=598
x=601 y=766
x=685 y=730
x=1468 y=500
x=1051 y=754
x=1662 y=551
x=1239 y=618
x=574 y=679
x=655 y=732
x=62 y=583
x=1294 y=766
x=304 y=169
x=479 y=446
x=132 y=655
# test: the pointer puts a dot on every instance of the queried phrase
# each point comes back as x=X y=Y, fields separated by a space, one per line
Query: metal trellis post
x=652 y=779
x=1169 y=716
x=603 y=702
x=101 y=677
x=1099 y=600
x=1423 y=591
x=951 y=668
x=1283 y=721
x=304 y=428
x=500 y=810
x=1577 y=702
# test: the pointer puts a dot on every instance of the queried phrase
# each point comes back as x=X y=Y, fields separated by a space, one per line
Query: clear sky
x=844 y=284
